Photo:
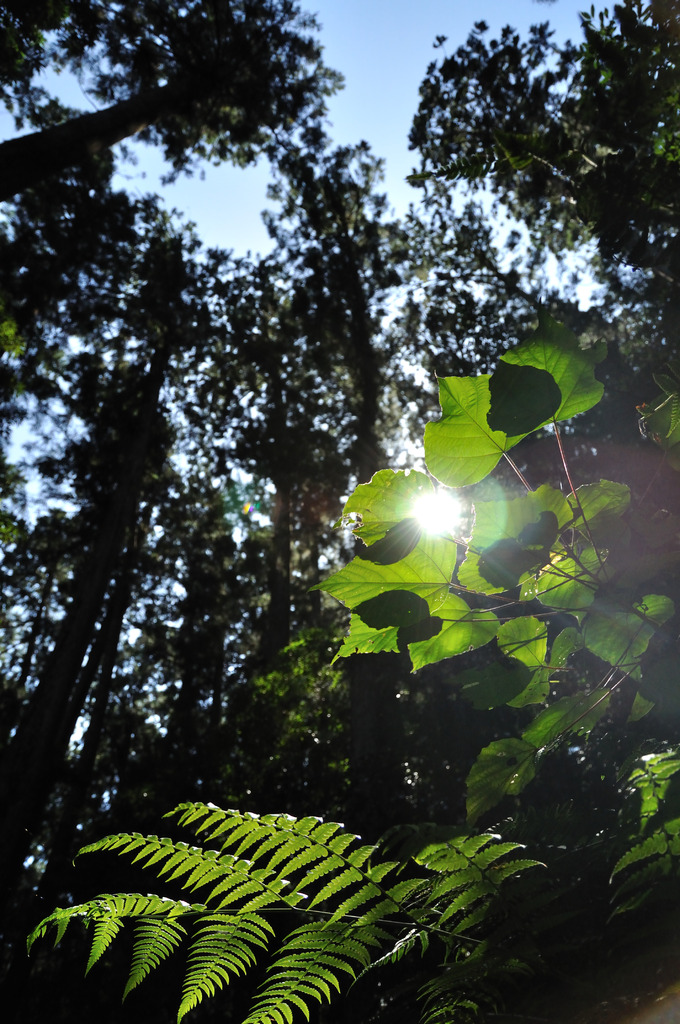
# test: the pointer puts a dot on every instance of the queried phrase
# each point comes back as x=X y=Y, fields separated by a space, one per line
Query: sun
x=438 y=512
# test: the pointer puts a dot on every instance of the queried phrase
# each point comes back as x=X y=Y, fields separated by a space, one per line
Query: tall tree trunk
x=36 y=631
x=54 y=880
x=277 y=633
x=377 y=733
x=100 y=666
x=37 y=750
x=29 y=159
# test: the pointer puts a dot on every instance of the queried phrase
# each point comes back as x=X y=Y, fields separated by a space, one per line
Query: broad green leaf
x=523 y=398
x=601 y=503
x=641 y=707
x=503 y=768
x=565 y=583
x=493 y=685
x=565 y=644
x=575 y=714
x=393 y=608
x=461 y=448
x=426 y=571
x=463 y=629
x=554 y=348
x=364 y=640
x=397 y=543
x=525 y=639
x=511 y=536
x=621 y=638
x=535 y=692
x=606 y=497
x=388 y=498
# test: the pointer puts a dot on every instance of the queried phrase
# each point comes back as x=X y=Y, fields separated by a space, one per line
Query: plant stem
x=573 y=491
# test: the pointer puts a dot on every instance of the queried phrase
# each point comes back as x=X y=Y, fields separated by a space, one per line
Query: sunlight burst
x=438 y=512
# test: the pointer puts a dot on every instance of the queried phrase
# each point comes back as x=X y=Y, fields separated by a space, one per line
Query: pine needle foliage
x=348 y=909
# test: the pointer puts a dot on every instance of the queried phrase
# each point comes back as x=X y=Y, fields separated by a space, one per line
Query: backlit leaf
x=503 y=768
x=525 y=639
x=555 y=349
x=575 y=714
x=426 y=571
x=510 y=537
x=565 y=583
x=364 y=640
x=621 y=638
x=522 y=398
x=461 y=448
x=388 y=498
x=463 y=629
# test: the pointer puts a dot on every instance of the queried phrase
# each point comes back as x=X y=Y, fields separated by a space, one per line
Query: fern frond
x=650 y=869
x=311 y=963
x=302 y=853
x=466 y=168
x=155 y=940
x=222 y=947
x=402 y=947
x=474 y=895
x=59 y=919
x=460 y=990
x=105 y=931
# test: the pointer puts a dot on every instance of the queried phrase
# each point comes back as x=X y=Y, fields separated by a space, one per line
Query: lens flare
x=438 y=512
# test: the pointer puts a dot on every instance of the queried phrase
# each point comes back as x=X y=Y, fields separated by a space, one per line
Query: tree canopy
x=489 y=705
x=212 y=81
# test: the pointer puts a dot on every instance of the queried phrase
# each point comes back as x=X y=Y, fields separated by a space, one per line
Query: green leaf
x=523 y=398
x=621 y=638
x=661 y=421
x=575 y=714
x=461 y=448
x=426 y=571
x=525 y=639
x=511 y=536
x=394 y=608
x=397 y=543
x=494 y=685
x=463 y=629
x=565 y=644
x=565 y=583
x=535 y=692
x=364 y=640
x=555 y=349
x=380 y=505
x=602 y=503
x=503 y=768
x=641 y=707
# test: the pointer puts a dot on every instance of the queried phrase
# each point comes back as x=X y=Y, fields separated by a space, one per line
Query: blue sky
x=383 y=48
